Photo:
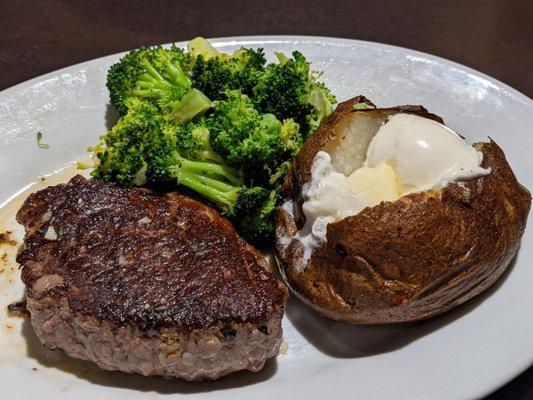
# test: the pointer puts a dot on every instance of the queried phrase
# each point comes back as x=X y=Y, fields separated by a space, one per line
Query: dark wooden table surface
x=492 y=36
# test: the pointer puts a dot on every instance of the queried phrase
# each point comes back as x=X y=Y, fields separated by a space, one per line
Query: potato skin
x=410 y=259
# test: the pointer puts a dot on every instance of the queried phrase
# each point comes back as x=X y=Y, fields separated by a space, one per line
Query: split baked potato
x=400 y=260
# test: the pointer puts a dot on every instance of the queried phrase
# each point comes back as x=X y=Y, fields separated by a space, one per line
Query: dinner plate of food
x=267 y=216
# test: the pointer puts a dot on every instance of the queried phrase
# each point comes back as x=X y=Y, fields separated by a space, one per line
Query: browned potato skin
x=413 y=258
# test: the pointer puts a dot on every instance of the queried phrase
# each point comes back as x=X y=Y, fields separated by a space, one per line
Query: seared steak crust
x=128 y=256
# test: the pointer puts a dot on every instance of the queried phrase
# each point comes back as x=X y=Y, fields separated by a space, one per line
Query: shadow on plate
x=350 y=341
x=111 y=117
x=90 y=372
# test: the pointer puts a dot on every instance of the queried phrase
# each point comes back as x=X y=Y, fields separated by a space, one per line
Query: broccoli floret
x=213 y=73
x=322 y=100
x=250 y=141
x=287 y=89
x=291 y=138
x=257 y=225
x=195 y=141
x=156 y=74
x=146 y=148
x=120 y=155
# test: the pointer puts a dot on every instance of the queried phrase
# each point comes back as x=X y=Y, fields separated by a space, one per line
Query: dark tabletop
x=492 y=36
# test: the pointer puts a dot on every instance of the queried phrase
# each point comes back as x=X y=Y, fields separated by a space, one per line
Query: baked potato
x=401 y=260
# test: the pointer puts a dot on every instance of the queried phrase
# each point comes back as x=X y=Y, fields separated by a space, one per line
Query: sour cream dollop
x=424 y=153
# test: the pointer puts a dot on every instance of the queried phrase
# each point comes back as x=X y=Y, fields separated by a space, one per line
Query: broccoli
x=257 y=224
x=157 y=75
x=248 y=140
x=120 y=155
x=214 y=73
x=192 y=103
x=195 y=141
x=164 y=77
x=145 y=148
x=288 y=89
x=201 y=47
x=225 y=127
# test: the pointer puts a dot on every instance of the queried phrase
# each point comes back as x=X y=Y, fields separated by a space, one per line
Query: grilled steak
x=140 y=282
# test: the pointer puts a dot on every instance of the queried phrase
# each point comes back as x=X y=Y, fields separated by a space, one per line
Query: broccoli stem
x=175 y=72
x=148 y=81
x=209 y=155
x=192 y=103
x=201 y=47
x=223 y=195
x=211 y=169
x=152 y=72
x=172 y=71
x=151 y=83
x=215 y=183
x=146 y=92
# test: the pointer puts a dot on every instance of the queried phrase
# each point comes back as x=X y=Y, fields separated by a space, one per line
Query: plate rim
x=227 y=40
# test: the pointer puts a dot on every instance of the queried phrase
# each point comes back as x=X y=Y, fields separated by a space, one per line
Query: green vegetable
x=256 y=224
x=215 y=73
x=41 y=145
x=154 y=74
x=289 y=90
x=286 y=89
x=145 y=148
x=82 y=166
x=121 y=155
x=248 y=140
x=201 y=47
x=192 y=103
x=224 y=127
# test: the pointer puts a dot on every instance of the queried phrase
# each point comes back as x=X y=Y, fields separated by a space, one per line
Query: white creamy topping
x=331 y=196
x=424 y=153
x=408 y=154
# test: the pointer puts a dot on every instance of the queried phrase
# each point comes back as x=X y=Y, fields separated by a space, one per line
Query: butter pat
x=331 y=196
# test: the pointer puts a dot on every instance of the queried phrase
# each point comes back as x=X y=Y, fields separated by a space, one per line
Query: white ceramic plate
x=464 y=354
